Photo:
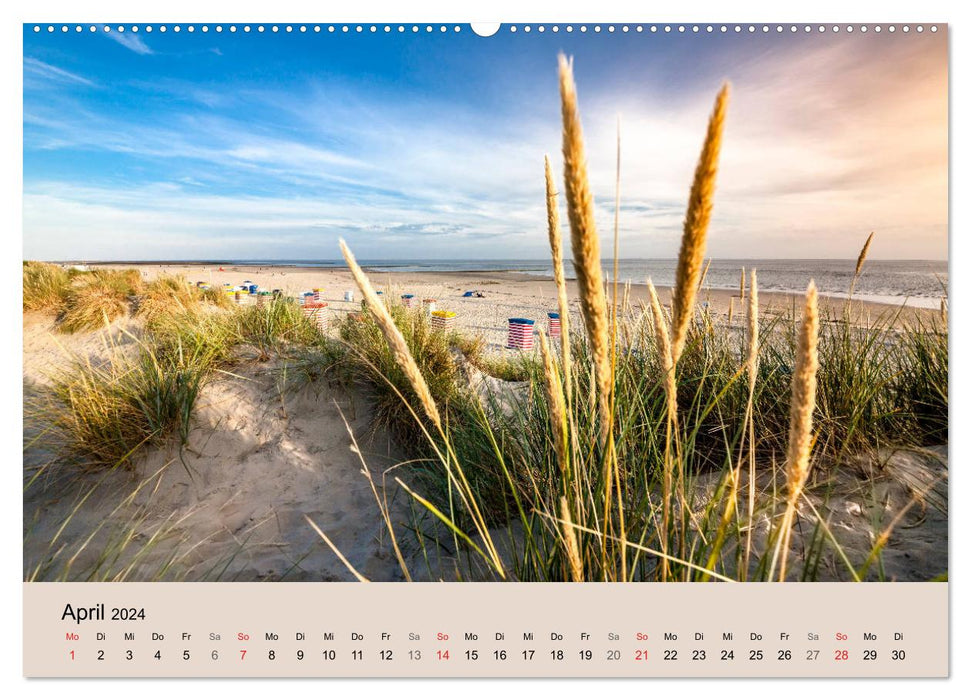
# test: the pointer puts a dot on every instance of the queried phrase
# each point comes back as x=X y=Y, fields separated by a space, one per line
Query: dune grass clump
x=144 y=392
x=95 y=298
x=103 y=414
x=127 y=281
x=216 y=297
x=93 y=304
x=278 y=321
x=370 y=360
x=46 y=287
x=168 y=295
x=920 y=386
x=211 y=337
x=87 y=300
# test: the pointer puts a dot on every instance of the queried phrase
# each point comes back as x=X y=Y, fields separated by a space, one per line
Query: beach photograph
x=565 y=303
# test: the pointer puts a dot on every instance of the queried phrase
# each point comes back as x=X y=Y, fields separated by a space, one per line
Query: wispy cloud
x=52 y=74
x=131 y=41
x=169 y=217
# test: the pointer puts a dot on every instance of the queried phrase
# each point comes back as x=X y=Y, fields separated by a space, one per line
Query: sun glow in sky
x=430 y=145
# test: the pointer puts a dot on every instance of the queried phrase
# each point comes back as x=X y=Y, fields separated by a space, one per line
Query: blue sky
x=430 y=145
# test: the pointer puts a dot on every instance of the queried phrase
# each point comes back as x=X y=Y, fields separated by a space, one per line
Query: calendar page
x=534 y=350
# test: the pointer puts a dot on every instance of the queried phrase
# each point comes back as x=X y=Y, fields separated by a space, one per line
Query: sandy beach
x=505 y=294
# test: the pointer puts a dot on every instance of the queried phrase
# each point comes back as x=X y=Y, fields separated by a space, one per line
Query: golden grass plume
x=861 y=258
x=585 y=242
x=556 y=250
x=704 y=275
x=663 y=340
x=554 y=395
x=752 y=370
x=863 y=253
x=696 y=222
x=803 y=395
x=800 y=420
x=752 y=331
x=671 y=394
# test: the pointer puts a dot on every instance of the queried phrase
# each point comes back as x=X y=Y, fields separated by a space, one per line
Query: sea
x=919 y=283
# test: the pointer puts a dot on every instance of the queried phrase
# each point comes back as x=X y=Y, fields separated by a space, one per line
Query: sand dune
x=255 y=465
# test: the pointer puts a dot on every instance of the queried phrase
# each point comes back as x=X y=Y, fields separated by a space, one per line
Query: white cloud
x=130 y=41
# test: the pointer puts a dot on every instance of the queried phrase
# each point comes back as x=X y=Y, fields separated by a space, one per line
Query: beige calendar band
x=476 y=630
